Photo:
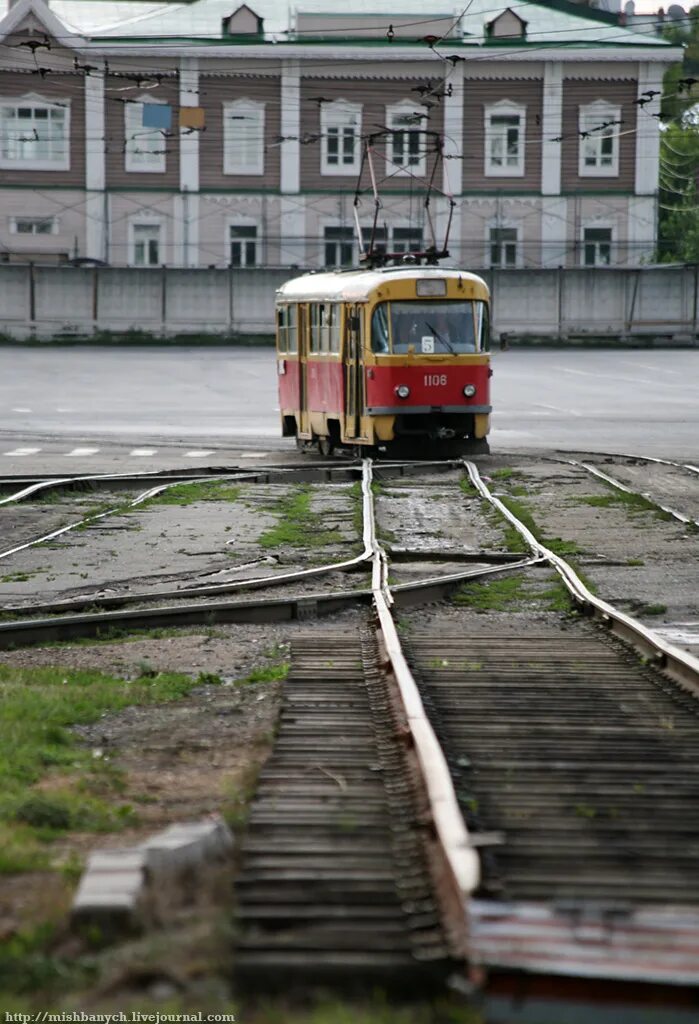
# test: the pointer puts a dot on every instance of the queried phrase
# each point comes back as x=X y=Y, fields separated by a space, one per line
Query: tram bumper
x=443 y=424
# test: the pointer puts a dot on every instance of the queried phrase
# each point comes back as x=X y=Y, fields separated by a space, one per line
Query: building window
x=340 y=126
x=406 y=143
x=144 y=148
x=599 y=140
x=35 y=134
x=503 y=247
x=243 y=245
x=34 y=226
x=407 y=240
x=597 y=247
x=380 y=239
x=243 y=137
x=146 y=245
x=504 y=140
x=339 y=246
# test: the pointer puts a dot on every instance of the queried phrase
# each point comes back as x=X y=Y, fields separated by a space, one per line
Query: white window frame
x=140 y=142
x=506 y=226
x=406 y=227
x=34 y=219
x=36 y=102
x=594 y=225
x=235 y=113
x=146 y=220
x=417 y=117
x=244 y=222
x=351 y=241
x=504 y=108
x=338 y=116
x=589 y=116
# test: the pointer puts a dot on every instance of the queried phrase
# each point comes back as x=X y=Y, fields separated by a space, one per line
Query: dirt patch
x=173 y=762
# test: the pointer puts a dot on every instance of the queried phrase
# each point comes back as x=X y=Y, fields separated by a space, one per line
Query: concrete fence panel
x=57 y=302
x=64 y=297
x=131 y=299
x=197 y=300
x=15 y=293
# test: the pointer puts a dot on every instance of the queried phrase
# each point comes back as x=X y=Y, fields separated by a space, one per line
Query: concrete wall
x=47 y=302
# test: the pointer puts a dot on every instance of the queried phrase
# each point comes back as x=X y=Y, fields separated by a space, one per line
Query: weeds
x=298 y=525
x=39 y=707
x=187 y=494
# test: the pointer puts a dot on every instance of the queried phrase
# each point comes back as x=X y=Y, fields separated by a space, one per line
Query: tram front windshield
x=426 y=328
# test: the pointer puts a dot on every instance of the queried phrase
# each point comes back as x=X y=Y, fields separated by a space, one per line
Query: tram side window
x=325 y=328
x=483 y=326
x=334 y=313
x=379 y=329
x=286 y=329
x=281 y=329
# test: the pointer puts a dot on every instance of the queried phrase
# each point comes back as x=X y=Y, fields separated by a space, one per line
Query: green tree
x=678 y=219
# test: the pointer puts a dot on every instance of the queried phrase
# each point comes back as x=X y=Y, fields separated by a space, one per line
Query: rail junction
x=449 y=803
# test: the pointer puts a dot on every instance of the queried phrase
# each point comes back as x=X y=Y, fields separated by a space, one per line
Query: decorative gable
x=507 y=25
x=243 y=22
x=28 y=19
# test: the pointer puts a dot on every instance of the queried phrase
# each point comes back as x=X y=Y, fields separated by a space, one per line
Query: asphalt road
x=105 y=408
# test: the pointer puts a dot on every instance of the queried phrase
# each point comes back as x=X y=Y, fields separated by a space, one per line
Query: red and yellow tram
x=393 y=358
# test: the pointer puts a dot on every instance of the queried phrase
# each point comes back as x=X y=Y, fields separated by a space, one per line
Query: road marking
x=81 y=451
x=143 y=453
x=21 y=409
x=61 y=409
x=198 y=454
x=253 y=455
x=23 y=451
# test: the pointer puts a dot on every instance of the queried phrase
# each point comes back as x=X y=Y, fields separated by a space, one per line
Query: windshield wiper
x=438 y=336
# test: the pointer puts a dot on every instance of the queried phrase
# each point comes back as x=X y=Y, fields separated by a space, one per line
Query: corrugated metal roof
x=650 y=944
x=203 y=18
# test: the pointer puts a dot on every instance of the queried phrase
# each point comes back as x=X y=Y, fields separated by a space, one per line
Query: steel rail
x=273 y=473
x=152 y=492
x=60 y=628
x=234 y=586
x=67 y=481
x=618 y=485
x=460 y=858
x=629 y=455
x=681 y=666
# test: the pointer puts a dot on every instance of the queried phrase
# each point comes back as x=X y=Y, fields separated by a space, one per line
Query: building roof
x=555 y=22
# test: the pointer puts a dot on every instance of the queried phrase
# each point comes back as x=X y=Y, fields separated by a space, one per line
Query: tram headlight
x=403 y=391
x=469 y=390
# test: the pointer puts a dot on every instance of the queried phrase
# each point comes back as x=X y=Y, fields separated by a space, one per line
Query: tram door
x=304 y=422
x=353 y=371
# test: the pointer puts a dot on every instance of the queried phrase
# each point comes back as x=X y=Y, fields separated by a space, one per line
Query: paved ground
x=102 y=410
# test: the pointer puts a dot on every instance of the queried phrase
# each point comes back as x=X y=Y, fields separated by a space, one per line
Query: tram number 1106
x=434 y=380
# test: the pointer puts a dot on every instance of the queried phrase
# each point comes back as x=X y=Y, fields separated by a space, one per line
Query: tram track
x=545 y=724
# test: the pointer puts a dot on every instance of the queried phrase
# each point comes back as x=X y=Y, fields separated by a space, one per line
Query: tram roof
x=357 y=285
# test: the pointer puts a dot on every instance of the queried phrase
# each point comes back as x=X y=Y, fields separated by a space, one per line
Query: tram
x=392 y=359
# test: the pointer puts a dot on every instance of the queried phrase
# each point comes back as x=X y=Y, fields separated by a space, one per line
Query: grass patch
x=633 y=503
x=495 y=595
x=635 y=561
x=652 y=609
x=39 y=706
x=298 y=525
x=187 y=494
x=22 y=577
x=468 y=489
x=267 y=674
x=513 y=593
